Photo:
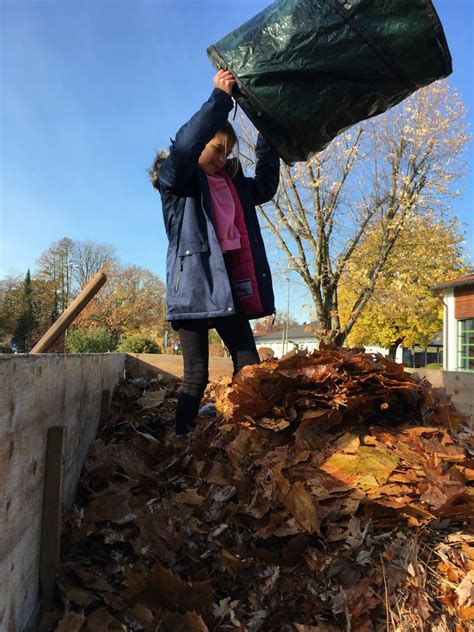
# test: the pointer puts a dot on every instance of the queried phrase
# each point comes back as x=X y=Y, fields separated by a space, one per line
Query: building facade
x=296 y=337
x=458 y=329
x=301 y=337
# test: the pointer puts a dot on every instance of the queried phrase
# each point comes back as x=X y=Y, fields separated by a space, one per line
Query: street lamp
x=286 y=328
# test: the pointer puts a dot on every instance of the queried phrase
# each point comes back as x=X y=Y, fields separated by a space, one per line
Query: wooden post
x=104 y=408
x=52 y=513
x=68 y=316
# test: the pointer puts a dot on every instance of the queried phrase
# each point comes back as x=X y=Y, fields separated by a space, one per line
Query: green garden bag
x=306 y=70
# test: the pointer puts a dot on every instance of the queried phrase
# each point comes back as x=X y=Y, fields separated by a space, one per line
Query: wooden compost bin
x=458 y=384
x=38 y=392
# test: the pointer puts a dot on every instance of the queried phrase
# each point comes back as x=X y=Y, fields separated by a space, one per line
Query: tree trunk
x=393 y=348
x=339 y=339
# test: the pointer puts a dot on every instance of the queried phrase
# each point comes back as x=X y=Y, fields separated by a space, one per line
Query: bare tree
x=54 y=267
x=383 y=172
x=88 y=257
x=66 y=266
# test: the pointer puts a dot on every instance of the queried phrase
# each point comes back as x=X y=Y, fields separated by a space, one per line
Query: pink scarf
x=223 y=211
x=242 y=268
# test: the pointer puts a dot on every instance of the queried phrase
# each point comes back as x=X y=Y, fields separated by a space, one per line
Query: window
x=466 y=344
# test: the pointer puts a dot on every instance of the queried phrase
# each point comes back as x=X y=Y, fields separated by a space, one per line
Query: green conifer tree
x=28 y=321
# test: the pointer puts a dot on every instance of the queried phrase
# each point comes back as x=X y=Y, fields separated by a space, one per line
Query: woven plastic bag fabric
x=306 y=70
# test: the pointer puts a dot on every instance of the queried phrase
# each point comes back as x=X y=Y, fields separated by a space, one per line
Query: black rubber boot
x=186 y=412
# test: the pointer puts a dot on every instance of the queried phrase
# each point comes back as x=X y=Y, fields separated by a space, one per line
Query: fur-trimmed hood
x=154 y=171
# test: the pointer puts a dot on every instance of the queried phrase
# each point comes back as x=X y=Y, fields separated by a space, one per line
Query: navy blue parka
x=197 y=280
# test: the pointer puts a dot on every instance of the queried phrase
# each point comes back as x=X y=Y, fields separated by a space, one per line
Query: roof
x=299 y=332
x=465 y=279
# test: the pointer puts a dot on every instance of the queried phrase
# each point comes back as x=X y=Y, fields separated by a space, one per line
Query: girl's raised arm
x=191 y=139
x=264 y=184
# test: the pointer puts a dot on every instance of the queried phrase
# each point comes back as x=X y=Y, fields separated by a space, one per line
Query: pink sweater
x=223 y=208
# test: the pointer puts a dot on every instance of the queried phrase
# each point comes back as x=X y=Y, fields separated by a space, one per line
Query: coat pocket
x=188 y=248
x=185 y=250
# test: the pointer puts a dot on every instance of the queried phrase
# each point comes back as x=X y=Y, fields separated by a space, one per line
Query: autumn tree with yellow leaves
x=132 y=301
x=403 y=310
x=376 y=179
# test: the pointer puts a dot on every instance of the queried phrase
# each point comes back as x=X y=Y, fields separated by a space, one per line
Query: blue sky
x=90 y=88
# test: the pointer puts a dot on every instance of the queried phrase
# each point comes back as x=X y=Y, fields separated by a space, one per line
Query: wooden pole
x=69 y=315
x=51 y=521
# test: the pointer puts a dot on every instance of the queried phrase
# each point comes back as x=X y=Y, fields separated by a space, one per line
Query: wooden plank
x=70 y=314
x=52 y=514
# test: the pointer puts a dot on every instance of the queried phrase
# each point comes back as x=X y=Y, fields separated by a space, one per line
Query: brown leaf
x=309 y=434
x=298 y=501
x=230 y=562
x=465 y=590
x=78 y=595
x=113 y=507
x=293 y=552
x=152 y=399
x=188 y=622
x=314 y=423
x=269 y=423
x=71 y=622
x=100 y=621
x=466 y=472
x=141 y=613
x=173 y=593
x=190 y=497
x=135 y=582
x=320 y=627
x=215 y=472
x=323 y=419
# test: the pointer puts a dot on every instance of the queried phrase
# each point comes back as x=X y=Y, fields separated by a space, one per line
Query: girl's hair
x=227 y=130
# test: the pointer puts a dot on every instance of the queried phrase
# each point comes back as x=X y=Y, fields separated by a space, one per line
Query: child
x=217 y=272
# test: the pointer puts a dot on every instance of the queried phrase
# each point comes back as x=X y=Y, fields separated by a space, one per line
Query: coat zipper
x=202 y=202
x=179 y=275
x=178 y=278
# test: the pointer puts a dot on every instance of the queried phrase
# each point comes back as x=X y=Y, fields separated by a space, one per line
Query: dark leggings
x=237 y=335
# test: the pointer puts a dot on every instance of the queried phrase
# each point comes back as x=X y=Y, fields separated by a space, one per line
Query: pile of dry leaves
x=330 y=492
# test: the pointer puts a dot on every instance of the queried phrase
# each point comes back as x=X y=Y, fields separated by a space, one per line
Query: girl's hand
x=224 y=80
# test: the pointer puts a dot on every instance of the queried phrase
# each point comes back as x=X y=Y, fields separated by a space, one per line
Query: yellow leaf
x=368 y=467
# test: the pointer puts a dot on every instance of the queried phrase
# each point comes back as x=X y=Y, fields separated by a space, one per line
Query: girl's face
x=215 y=153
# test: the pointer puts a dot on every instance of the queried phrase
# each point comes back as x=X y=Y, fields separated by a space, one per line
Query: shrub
x=433 y=365
x=136 y=343
x=266 y=353
x=217 y=351
x=97 y=340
